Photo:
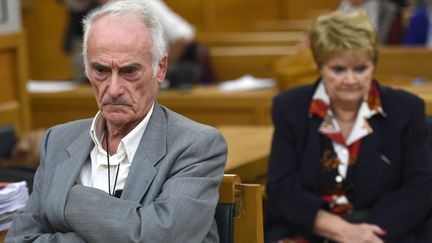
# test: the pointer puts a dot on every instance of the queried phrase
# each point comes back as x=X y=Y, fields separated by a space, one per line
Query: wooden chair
x=239 y=213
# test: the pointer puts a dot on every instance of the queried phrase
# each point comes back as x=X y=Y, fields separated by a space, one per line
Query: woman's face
x=347 y=77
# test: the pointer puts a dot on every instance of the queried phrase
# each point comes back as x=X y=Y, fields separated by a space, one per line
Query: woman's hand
x=361 y=233
x=335 y=228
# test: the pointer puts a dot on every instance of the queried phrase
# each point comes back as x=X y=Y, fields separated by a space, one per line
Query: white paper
x=13 y=199
x=35 y=86
x=247 y=82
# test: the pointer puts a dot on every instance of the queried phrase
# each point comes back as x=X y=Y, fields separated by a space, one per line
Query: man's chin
x=116 y=118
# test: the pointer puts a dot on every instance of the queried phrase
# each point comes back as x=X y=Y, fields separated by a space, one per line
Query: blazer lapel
x=65 y=177
x=151 y=150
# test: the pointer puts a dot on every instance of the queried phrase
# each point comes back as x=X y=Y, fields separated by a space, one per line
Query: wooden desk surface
x=248 y=151
x=207 y=105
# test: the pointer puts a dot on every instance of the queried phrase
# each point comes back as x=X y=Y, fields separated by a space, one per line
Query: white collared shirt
x=95 y=174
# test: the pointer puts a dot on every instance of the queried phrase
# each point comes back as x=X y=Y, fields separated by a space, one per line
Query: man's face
x=119 y=57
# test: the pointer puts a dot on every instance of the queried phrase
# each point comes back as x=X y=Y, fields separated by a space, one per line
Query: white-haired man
x=136 y=172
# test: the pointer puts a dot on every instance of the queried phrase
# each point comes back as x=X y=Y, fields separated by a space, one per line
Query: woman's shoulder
x=393 y=98
x=297 y=95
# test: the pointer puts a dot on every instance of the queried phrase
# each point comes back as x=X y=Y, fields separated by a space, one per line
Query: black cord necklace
x=108 y=161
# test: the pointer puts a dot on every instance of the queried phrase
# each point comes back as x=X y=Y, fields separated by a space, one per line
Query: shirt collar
x=129 y=144
x=320 y=107
x=320 y=103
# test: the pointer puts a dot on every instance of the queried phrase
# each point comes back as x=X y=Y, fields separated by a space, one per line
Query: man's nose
x=115 y=88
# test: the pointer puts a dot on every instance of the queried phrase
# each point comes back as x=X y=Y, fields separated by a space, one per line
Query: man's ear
x=163 y=66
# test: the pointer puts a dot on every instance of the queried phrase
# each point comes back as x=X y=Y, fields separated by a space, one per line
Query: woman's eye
x=338 y=69
x=360 y=68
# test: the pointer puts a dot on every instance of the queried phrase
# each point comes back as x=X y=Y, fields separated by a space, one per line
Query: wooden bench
x=276 y=38
x=232 y=62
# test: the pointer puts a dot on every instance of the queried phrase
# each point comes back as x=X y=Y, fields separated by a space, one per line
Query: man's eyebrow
x=98 y=65
x=133 y=65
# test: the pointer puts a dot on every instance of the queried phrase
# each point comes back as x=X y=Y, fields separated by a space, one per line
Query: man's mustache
x=116 y=102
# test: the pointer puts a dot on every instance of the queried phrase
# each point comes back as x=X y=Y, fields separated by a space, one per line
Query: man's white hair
x=140 y=9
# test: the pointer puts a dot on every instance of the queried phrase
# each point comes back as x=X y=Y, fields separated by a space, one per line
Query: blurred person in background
x=384 y=14
x=419 y=30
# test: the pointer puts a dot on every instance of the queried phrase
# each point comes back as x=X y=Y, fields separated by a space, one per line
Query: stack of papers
x=247 y=82
x=13 y=198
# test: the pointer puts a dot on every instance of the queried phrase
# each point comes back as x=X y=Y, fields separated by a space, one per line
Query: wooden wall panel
x=8 y=75
x=14 y=106
x=44 y=22
x=294 y=9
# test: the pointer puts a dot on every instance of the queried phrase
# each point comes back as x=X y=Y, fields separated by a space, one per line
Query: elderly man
x=136 y=172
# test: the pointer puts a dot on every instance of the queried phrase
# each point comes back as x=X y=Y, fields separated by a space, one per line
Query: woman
x=350 y=159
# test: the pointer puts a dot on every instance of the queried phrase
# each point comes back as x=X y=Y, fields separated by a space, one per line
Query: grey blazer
x=170 y=193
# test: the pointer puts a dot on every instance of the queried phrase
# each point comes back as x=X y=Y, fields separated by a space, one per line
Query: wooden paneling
x=13 y=75
x=203 y=104
x=234 y=62
x=405 y=61
x=8 y=68
x=307 y=9
x=45 y=23
x=225 y=15
x=251 y=38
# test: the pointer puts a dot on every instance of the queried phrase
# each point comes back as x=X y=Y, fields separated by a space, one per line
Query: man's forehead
x=121 y=21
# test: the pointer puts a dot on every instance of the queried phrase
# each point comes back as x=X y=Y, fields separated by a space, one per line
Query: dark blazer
x=417 y=30
x=391 y=179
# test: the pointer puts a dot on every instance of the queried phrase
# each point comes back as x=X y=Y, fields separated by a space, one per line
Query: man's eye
x=129 y=70
x=102 y=69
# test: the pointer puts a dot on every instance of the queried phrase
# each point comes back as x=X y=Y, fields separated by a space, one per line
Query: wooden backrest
x=251 y=38
x=248 y=214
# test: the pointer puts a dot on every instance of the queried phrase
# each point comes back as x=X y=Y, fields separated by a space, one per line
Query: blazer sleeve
x=183 y=211
x=400 y=211
x=286 y=197
x=31 y=226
